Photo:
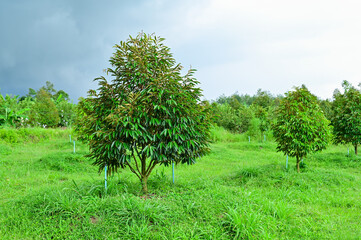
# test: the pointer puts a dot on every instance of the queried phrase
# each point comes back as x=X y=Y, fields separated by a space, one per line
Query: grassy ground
x=241 y=190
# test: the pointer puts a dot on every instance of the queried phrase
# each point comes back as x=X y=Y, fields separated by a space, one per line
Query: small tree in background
x=326 y=106
x=263 y=99
x=44 y=111
x=261 y=106
x=66 y=113
x=346 y=117
x=148 y=114
x=49 y=88
x=300 y=126
x=262 y=114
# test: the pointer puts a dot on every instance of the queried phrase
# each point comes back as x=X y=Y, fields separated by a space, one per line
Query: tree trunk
x=144 y=175
x=356 y=148
x=298 y=164
x=144 y=184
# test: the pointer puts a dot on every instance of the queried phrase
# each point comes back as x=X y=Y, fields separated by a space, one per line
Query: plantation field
x=241 y=190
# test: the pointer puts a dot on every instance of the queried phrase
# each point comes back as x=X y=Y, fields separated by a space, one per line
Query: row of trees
x=149 y=114
x=302 y=127
x=46 y=107
x=300 y=122
x=256 y=114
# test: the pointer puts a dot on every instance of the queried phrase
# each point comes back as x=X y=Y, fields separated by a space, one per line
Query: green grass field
x=241 y=190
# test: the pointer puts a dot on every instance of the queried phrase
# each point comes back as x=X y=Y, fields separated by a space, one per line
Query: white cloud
x=276 y=44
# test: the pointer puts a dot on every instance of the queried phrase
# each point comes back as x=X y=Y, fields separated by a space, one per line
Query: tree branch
x=151 y=169
x=136 y=149
x=150 y=164
x=135 y=160
x=132 y=169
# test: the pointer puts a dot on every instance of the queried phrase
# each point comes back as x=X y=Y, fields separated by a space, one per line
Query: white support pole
x=105 y=184
x=173 y=170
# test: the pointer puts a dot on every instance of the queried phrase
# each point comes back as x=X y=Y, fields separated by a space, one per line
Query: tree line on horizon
x=238 y=113
x=252 y=114
x=299 y=122
x=319 y=121
x=46 y=107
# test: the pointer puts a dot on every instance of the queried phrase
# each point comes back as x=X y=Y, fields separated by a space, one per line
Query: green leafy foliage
x=346 y=118
x=28 y=110
x=300 y=127
x=13 y=113
x=148 y=114
x=44 y=112
x=235 y=118
x=263 y=99
x=262 y=113
x=54 y=94
x=66 y=111
x=254 y=128
x=245 y=113
x=29 y=135
x=326 y=106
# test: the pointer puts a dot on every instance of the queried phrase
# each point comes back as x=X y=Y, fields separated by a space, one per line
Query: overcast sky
x=236 y=46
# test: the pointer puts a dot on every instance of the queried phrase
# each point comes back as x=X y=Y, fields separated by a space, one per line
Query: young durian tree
x=147 y=114
x=346 y=116
x=300 y=127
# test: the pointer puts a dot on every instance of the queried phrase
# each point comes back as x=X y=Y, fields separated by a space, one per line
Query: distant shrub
x=254 y=128
x=66 y=113
x=233 y=119
x=219 y=134
x=44 y=112
x=8 y=135
x=24 y=135
x=67 y=162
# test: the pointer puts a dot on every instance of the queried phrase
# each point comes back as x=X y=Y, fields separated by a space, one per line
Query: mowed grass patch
x=241 y=190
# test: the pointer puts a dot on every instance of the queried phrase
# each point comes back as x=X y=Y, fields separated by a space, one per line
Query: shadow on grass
x=65 y=162
x=338 y=160
x=277 y=176
x=256 y=146
x=69 y=211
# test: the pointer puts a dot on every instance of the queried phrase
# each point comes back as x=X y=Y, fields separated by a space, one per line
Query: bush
x=44 y=112
x=24 y=135
x=219 y=134
x=254 y=128
x=235 y=120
